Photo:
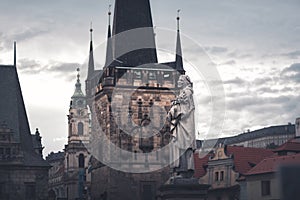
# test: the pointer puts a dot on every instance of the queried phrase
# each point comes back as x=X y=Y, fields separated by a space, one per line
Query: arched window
x=80 y=128
x=81 y=161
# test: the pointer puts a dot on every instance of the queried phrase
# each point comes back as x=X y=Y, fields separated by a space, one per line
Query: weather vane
x=78 y=70
x=178 y=13
x=178 y=18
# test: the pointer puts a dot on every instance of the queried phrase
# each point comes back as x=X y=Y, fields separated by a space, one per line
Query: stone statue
x=181 y=118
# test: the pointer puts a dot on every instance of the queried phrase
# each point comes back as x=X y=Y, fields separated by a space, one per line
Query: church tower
x=77 y=150
x=129 y=108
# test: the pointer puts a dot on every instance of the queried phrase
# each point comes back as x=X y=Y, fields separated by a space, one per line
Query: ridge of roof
x=271 y=164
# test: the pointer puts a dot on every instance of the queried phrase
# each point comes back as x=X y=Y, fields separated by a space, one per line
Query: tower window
x=137 y=74
x=80 y=128
x=167 y=76
x=81 y=161
x=152 y=75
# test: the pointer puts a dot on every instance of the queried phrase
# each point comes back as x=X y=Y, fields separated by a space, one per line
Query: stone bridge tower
x=129 y=105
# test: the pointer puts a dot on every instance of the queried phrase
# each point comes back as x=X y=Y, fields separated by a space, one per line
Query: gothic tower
x=77 y=150
x=129 y=105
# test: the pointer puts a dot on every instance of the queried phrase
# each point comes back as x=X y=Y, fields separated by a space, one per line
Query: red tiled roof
x=200 y=164
x=292 y=145
x=270 y=165
x=246 y=157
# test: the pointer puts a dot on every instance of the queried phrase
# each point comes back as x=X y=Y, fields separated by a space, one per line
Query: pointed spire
x=15 y=53
x=179 y=61
x=91 y=66
x=78 y=92
x=139 y=48
x=109 y=50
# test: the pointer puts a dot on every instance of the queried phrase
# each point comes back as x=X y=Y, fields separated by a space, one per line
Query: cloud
x=66 y=70
x=292 y=55
x=291 y=73
x=59 y=67
x=293 y=68
x=236 y=80
x=20 y=36
x=229 y=62
x=216 y=49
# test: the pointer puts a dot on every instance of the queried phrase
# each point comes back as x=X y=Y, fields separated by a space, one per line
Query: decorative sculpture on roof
x=181 y=118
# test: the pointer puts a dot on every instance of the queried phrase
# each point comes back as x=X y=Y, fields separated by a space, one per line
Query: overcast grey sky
x=255 y=45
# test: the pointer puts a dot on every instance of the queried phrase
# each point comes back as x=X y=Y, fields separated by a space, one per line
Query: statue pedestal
x=183 y=189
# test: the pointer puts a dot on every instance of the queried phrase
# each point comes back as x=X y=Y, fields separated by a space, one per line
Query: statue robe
x=181 y=116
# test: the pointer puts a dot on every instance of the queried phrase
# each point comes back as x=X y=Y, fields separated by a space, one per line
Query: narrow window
x=81 y=160
x=265 y=188
x=80 y=128
x=222 y=176
x=216 y=176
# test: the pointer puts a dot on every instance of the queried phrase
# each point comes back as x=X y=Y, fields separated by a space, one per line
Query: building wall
x=114 y=184
x=14 y=181
x=56 y=175
x=254 y=188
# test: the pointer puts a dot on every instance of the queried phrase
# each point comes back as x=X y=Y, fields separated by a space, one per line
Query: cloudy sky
x=255 y=45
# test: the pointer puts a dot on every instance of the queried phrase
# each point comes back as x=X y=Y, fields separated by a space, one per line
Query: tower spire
x=138 y=46
x=15 y=53
x=109 y=49
x=78 y=92
x=178 y=20
x=91 y=67
x=179 y=61
x=78 y=95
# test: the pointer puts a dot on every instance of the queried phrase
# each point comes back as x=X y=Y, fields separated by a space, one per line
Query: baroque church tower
x=129 y=103
x=77 y=150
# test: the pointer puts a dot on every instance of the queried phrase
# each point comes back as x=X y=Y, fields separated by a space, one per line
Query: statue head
x=184 y=80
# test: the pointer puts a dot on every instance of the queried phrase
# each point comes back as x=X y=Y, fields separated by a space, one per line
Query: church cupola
x=78 y=98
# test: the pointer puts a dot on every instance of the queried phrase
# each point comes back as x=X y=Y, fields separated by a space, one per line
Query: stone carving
x=181 y=118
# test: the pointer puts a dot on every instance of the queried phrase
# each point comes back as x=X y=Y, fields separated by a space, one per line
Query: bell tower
x=78 y=118
x=77 y=150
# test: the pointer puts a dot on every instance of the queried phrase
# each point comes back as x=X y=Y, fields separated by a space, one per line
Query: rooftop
x=270 y=165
